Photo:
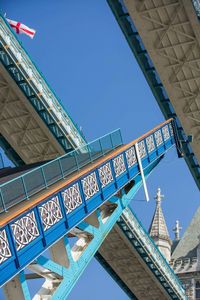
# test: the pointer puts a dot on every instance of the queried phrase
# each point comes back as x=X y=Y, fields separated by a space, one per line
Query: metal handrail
x=28 y=183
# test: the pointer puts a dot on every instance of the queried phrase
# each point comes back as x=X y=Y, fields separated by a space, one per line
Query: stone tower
x=185 y=258
x=158 y=229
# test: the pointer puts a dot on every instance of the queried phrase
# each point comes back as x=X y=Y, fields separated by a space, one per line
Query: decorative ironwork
x=25 y=230
x=72 y=198
x=105 y=174
x=119 y=165
x=50 y=213
x=5 y=252
x=150 y=143
x=142 y=150
x=90 y=185
x=131 y=157
x=165 y=131
x=158 y=137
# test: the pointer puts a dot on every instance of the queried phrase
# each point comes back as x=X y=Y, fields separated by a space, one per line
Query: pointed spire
x=176 y=230
x=159 y=197
x=158 y=228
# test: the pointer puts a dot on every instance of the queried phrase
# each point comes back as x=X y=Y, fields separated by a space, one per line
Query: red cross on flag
x=21 y=28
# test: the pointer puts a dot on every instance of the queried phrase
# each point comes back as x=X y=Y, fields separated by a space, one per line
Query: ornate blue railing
x=28 y=231
x=34 y=181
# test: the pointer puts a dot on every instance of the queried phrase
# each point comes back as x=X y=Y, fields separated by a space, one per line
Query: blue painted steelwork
x=35 y=88
x=135 y=42
x=25 y=186
x=24 y=285
x=71 y=275
x=31 y=233
x=134 y=231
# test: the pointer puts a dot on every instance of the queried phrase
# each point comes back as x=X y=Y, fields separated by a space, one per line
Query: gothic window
x=197 y=290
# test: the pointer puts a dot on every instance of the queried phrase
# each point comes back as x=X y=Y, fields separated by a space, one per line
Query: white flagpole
x=141 y=171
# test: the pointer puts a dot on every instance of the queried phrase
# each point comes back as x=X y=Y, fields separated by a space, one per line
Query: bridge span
x=70 y=201
x=82 y=196
x=164 y=37
x=34 y=127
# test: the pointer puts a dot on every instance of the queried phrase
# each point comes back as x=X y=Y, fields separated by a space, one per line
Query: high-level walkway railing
x=40 y=178
x=86 y=203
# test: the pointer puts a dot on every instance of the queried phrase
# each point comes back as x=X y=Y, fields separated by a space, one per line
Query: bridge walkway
x=85 y=204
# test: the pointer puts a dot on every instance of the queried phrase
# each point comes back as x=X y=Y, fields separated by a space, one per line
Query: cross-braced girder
x=61 y=134
x=20 y=125
x=82 y=206
x=126 y=264
x=165 y=41
x=131 y=254
x=65 y=262
x=168 y=29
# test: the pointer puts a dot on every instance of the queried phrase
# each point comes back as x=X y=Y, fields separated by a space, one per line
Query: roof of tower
x=187 y=246
x=158 y=227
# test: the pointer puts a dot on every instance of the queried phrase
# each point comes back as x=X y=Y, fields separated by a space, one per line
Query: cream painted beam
x=170 y=32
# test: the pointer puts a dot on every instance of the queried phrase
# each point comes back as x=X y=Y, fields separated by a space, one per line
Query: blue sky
x=84 y=56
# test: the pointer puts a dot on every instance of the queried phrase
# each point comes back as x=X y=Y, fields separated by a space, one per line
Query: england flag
x=21 y=28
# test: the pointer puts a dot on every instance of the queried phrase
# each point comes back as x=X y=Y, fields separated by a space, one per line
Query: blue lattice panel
x=53 y=219
x=7 y=254
x=27 y=236
x=32 y=232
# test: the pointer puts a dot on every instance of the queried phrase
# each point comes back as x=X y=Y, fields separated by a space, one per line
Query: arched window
x=197 y=290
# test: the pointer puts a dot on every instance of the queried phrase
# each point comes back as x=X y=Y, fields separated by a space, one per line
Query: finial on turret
x=158 y=228
x=158 y=197
x=177 y=230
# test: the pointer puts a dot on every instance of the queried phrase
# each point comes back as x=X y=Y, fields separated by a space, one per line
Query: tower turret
x=176 y=230
x=158 y=228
